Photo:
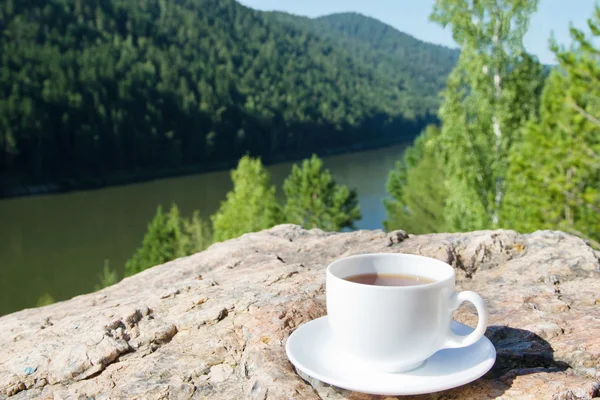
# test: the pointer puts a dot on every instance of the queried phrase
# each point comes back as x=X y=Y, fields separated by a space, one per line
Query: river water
x=58 y=244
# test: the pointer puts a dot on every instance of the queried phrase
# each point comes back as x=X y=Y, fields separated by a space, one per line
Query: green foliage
x=454 y=179
x=480 y=121
x=250 y=206
x=198 y=235
x=108 y=277
x=44 y=300
x=417 y=188
x=554 y=178
x=96 y=91
x=315 y=200
x=169 y=236
x=161 y=242
x=418 y=69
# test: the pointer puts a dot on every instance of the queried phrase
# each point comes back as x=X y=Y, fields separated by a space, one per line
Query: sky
x=412 y=17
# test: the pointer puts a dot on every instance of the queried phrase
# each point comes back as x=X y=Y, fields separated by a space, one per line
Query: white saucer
x=312 y=350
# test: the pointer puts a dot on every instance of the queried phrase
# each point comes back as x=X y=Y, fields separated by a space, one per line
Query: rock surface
x=214 y=325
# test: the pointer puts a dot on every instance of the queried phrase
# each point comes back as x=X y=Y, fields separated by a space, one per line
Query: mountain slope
x=101 y=89
x=418 y=69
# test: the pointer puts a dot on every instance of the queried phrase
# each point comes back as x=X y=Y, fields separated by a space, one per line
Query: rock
x=164 y=335
x=220 y=373
x=214 y=325
x=396 y=237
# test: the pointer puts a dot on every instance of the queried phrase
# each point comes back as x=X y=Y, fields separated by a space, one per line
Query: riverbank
x=59 y=244
x=14 y=189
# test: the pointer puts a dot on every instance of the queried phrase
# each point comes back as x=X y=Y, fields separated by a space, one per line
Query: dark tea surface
x=389 y=279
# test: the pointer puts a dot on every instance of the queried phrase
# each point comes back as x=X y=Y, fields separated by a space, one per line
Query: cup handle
x=453 y=340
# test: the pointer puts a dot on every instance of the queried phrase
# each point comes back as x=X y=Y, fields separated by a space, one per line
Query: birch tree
x=490 y=95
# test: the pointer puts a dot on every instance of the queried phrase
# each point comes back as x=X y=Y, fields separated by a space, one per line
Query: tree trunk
x=568 y=211
x=496 y=126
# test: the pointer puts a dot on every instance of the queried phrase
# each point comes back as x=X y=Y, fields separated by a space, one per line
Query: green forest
x=96 y=92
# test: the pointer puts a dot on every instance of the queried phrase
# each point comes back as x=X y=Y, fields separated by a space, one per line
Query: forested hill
x=419 y=69
x=98 y=90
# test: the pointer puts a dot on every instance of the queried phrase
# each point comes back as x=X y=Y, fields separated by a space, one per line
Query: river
x=58 y=244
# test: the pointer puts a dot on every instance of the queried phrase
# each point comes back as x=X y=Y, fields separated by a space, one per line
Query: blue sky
x=412 y=16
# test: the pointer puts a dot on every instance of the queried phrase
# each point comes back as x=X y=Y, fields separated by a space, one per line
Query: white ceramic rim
x=450 y=278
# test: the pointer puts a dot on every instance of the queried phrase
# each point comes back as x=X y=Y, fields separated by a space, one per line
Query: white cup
x=396 y=328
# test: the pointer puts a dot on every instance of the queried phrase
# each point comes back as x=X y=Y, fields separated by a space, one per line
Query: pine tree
x=250 y=206
x=315 y=200
x=108 y=277
x=417 y=188
x=198 y=234
x=479 y=119
x=160 y=243
x=554 y=179
x=169 y=236
x=44 y=300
